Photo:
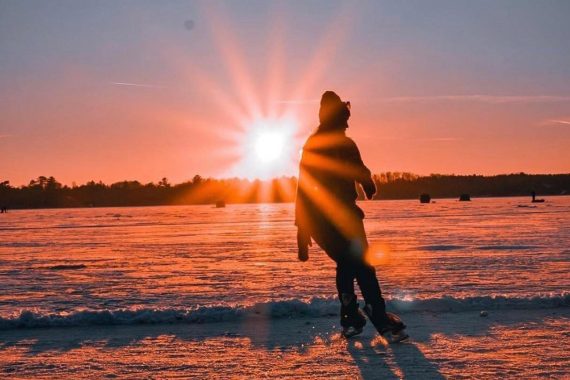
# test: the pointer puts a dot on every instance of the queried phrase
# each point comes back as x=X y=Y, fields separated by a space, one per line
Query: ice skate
x=352 y=319
x=389 y=325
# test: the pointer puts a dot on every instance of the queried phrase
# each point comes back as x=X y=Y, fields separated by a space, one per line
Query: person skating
x=326 y=211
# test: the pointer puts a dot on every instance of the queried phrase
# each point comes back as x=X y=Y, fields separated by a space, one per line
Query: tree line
x=47 y=192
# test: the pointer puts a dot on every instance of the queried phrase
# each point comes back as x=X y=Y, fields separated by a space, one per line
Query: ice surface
x=185 y=257
x=183 y=266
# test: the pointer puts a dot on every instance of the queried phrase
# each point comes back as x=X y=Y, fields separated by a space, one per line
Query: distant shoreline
x=47 y=193
x=434 y=200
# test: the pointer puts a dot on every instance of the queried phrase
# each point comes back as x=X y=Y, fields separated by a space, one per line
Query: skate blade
x=395 y=338
x=351 y=331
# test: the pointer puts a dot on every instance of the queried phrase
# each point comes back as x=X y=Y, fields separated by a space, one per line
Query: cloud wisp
x=564 y=122
x=493 y=99
x=144 y=85
x=430 y=139
x=480 y=98
x=555 y=123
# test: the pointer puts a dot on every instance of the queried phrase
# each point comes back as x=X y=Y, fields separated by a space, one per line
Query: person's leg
x=345 y=276
x=336 y=246
x=365 y=275
x=369 y=286
x=351 y=318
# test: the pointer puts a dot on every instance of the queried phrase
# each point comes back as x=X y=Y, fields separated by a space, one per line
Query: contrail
x=136 y=85
x=560 y=122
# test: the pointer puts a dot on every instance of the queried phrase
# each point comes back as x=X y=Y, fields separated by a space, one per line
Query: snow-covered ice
x=198 y=291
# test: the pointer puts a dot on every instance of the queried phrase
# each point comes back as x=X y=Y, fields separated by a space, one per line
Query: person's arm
x=362 y=174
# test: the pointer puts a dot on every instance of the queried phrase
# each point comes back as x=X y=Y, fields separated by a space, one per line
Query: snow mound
x=294 y=308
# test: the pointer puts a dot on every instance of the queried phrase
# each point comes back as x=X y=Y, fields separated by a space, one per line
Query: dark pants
x=349 y=254
x=365 y=275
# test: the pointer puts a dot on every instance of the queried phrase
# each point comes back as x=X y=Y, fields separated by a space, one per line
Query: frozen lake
x=182 y=257
x=167 y=271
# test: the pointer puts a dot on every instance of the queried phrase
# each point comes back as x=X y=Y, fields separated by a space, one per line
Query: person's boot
x=389 y=325
x=352 y=319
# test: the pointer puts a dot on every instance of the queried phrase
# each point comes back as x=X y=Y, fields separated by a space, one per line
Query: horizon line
x=276 y=178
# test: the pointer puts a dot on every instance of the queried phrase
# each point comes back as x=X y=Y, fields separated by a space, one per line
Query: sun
x=269 y=145
x=266 y=148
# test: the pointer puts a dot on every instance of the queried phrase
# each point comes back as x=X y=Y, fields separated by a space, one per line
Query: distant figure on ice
x=326 y=211
x=534 y=200
x=3 y=210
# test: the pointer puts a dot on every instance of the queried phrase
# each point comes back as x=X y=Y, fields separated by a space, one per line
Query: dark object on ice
x=534 y=200
x=464 y=198
x=425 y=198
x=483 y=313
x=220 y=204
x=68 y=267
x=3 y=210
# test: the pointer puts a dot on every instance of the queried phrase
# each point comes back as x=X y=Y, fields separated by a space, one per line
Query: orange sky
x=131 y=90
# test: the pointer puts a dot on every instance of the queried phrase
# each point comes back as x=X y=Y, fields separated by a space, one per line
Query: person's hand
x=303 y=244
x=369 y=189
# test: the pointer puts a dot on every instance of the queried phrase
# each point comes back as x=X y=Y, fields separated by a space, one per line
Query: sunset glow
x=212 y=70
x=266 y=149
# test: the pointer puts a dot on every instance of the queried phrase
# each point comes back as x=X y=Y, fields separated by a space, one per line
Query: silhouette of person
x=326 y=211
